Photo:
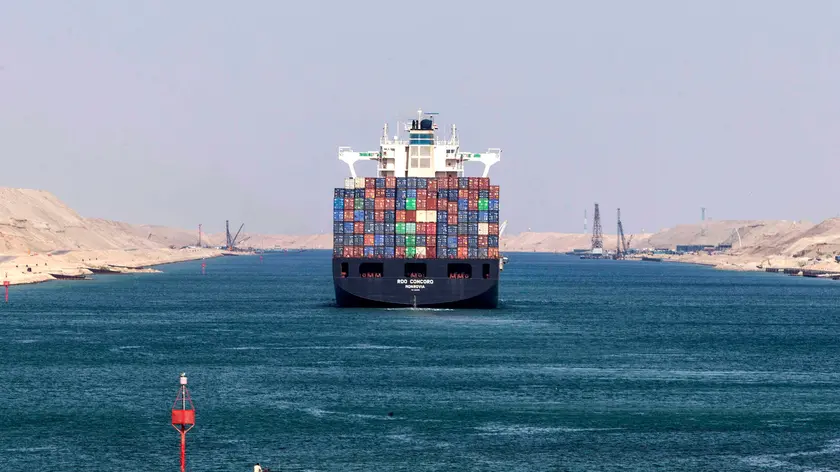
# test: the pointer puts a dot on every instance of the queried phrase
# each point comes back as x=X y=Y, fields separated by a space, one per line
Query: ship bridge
x=423 y=154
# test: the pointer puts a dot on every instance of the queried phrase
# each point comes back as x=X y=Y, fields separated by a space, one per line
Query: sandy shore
x=43 y=267
x=753 y=263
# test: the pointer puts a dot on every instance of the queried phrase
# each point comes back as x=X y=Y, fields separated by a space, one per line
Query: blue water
x=589 y=365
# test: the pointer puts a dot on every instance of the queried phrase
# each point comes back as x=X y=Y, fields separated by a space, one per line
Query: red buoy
x=6 y=284
x=183 y=417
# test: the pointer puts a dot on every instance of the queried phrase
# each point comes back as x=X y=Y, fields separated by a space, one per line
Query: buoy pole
x=183 y=417
x=6 y=285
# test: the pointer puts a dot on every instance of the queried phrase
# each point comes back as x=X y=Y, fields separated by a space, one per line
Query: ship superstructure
x=423 y=154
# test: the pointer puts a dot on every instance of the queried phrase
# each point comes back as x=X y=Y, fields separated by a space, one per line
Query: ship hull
x=424 y=283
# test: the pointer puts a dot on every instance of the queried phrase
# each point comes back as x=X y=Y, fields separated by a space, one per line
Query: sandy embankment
x=39 y=267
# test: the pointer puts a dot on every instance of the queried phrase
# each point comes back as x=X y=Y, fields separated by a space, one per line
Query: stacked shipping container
x=416 y=218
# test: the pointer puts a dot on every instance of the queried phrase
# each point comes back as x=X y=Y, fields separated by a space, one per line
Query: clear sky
x=186 y=112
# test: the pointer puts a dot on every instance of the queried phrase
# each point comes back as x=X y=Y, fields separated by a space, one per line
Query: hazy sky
x=187 y=112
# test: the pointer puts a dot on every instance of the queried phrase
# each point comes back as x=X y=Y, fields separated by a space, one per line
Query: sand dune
x=41 y=238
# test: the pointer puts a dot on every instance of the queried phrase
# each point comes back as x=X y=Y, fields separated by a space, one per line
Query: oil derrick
x=597 y=235
x=621 y=245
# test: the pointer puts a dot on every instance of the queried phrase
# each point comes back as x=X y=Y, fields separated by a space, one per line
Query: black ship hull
x=422 y=283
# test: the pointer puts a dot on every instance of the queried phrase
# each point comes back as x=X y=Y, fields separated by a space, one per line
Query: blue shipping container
x=412 y=193
x=492 y=241
x=483 y=216
x=389 y=252
x=379 y=240
x=338 y=215
x=338 y=227
x=452 y=242
x=493 y=205
x=359 y=215
x=369 y=251
x=338 y=204
x=348 y=227
x=339 y=193
x=463 y=204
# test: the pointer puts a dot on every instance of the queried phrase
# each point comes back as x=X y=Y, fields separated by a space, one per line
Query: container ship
x=420 y=233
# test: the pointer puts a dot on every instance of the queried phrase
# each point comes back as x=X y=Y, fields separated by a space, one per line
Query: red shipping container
x=358 y=227
x=410 y=216
x=379 y=203
x=369 y=241
x=379 y=216
x=482 y=241
x=462 y=240
x=453 y=183
x=349 y=202
x=463 y=193
x=400 y=216
x=370 y=193
x=462 y=253
x=431 y=252
x=431 y=228
x=452 y=207
x=380 y=193
x=473 y=195
x=484 y=183
x=370 y=183
x=390 y=203
x=431 y=203
x=421 y=204
x=493 y=229
x=422 y=193
x=400 y=252
x=431 y=238
x=432 y=185
x=420 y=228
x=348 y=215
x=494 y=192
x=442 y=183
x=390 y=182
x=443 y=205
x=452 y=219
x=493 y=253
x=472 y=205
x=473 y=183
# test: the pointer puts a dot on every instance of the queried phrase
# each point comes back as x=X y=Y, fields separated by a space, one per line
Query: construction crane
x=232 y=241
x=621 y=245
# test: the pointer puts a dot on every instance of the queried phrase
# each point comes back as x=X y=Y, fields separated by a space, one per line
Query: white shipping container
x=431 y=216
x=349 y=183
x=421 y=252
x=421 y=216
x=483 y=229
x=360 y=182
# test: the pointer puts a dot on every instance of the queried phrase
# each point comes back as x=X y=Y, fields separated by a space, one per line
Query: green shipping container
x=410 y=241
x=400 y=228
x=410 y=203
x=483 y=204
x=410 y=228
x=410 y=252
x=359 y=204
